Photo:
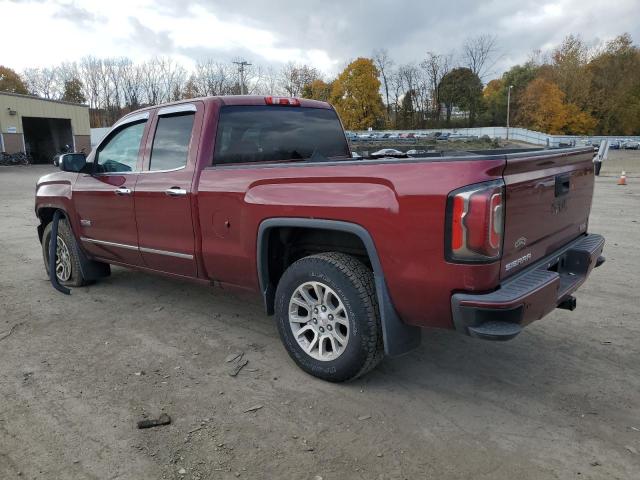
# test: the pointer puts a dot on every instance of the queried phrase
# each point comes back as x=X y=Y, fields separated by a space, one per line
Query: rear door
x=164 y=191
x=548 y=200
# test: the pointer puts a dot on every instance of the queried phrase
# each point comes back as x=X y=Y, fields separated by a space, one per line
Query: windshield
x=276 y=133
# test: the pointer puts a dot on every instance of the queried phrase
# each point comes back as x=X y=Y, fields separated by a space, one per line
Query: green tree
x=463 y=89
x=615 y=87
x=73 y=91
x=494 y=103
x=11 y=82
x=406 y=113
x=356 y=95
x=568 y=70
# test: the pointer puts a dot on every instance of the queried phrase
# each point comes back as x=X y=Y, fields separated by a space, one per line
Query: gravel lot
x=76 y=373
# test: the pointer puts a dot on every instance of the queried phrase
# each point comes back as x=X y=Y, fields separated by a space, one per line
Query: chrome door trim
x=168 y=254
x=185 y=107
x=175 y=192
x=109 y=244
x=186 y=256
x=164 y=171
x=122 y=191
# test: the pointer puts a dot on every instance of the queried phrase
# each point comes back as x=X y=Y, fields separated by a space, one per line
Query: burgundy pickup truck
x=353 y=255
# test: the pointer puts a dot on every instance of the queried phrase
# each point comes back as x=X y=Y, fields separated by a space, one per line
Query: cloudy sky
x=326 y=34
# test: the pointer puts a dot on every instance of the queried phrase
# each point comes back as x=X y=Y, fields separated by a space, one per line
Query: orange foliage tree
x=356 y=95
x=543 y=108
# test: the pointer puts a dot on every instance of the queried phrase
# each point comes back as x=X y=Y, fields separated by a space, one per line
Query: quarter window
x=120 y=153
x=171 y=142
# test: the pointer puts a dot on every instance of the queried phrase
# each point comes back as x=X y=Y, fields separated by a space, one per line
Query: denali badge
x=85 y=223
x=520 y=243
x=518 y=261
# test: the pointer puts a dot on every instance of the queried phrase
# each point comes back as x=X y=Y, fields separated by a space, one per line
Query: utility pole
x=508 y=108
x=241 y=64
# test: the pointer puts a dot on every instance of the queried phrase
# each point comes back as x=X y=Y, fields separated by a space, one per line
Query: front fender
x=54 y=192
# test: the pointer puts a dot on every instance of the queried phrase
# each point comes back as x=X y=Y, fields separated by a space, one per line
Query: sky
x=325 y=34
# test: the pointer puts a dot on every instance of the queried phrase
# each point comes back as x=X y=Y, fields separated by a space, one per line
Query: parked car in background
x=351 y=136
x=614 y=144
x=387 y=152
x=631 y=145
x=443 y=136
x=413 y=151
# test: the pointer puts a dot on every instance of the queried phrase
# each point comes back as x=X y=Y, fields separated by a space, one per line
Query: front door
x=164 y=192
x=104 y=199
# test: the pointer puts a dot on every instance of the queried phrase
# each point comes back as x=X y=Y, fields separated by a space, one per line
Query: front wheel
x=328 y=318
x=68 y=269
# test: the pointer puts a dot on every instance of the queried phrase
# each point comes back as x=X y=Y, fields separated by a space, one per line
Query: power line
x=241 y=64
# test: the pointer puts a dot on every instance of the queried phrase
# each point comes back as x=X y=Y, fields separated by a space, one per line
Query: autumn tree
x=463 y=89
x=317 y=90
x=543 y=108
x=11 y=82
x=356 y=95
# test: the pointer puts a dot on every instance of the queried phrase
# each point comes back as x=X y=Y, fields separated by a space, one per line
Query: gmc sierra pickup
x=353 y=255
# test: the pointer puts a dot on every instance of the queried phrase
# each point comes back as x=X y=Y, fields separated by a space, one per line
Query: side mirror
x=71 y=162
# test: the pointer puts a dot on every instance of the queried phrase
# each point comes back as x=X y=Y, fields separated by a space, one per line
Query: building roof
x=33 y=97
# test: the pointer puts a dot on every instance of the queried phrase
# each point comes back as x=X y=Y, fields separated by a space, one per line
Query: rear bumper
x=531 y=294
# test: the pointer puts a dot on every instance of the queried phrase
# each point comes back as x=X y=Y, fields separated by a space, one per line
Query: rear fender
x=399 y=338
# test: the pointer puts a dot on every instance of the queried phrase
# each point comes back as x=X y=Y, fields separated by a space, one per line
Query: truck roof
x=236 y=100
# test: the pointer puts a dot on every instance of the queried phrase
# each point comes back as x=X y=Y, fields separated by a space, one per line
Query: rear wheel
x=327 y=315
x=68 y=269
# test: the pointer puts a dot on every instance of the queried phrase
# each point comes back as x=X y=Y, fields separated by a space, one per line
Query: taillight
x=475 y=223
x=293 y=102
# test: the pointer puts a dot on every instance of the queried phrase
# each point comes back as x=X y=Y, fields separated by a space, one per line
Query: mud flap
x=399 y=338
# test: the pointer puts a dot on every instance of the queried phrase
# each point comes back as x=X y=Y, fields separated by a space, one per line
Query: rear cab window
x=257 y=133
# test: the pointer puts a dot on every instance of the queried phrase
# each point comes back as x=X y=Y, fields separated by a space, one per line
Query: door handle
x=122 y=191
x=175 y=192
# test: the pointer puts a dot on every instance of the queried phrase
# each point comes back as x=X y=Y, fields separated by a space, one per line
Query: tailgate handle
x=562 y=184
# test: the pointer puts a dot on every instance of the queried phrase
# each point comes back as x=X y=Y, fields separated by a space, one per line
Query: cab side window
x=120 y=153
x=171 y=142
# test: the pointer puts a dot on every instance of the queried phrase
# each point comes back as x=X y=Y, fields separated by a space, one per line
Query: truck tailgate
x=548 y=200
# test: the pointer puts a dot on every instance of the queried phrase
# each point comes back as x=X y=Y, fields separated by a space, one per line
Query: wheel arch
x=45 y=215
x=399 y=338
x=91 y=269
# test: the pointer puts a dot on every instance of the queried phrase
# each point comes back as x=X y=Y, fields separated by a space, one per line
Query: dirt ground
x=562 y=400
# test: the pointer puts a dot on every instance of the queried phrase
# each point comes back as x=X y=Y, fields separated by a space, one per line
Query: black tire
x=64 y=232
x=354 y=284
